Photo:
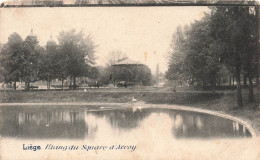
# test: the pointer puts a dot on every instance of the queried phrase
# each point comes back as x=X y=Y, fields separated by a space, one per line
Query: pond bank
x=248 y=124
x=221 y=103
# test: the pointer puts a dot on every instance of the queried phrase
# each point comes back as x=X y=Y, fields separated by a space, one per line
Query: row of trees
x=224 y=44
x=27 y=61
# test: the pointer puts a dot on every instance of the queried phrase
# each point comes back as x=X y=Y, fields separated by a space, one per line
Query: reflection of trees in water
x=76 y=123
x=43 y=124
x=123 y=118
x=64 y=123
x=196 y=125
x=240 y=129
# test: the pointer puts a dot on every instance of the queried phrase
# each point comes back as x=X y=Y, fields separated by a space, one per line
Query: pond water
x=141 y=128
x=83 y=123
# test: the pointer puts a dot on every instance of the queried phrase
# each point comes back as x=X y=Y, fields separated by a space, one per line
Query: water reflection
x=35 y=124
x=124 y=119
x=85 y=122
x=196 y=125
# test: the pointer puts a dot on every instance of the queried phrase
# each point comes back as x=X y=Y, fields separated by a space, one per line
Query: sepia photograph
x=129 y=80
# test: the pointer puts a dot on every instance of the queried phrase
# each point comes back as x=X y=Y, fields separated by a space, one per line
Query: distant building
x=131 y=72
x=32 y=35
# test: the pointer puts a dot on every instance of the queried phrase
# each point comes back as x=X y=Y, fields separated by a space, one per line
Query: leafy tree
x=1 y=66
x=195 y=55
x=12 y=59
x=236 y=28
x=78 y=51
x=203 y=53
x=30 y=66
x=105 y=74
x=60 y=67
x=93 y=72
x=177 y=68
x=48 y=63
x=225 y=38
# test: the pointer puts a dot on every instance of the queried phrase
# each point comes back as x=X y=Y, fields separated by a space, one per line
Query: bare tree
x=115 y=56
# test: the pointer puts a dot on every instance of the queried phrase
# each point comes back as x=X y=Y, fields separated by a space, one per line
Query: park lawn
x=104 y=96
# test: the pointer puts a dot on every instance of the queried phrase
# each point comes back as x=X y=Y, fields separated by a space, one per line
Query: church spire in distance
x=32 y=35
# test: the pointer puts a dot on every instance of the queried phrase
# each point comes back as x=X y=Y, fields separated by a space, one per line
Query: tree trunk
x=74 y=82
x=257 y=79
x=239 y=90
x=219 y=80
x=245 y=80
x=213 y=84
x=257 y=56
x=62 y=83
x=26 y=86
x=15 y=85
x=70 y=82
x=251 y=92
x=48 y=83
x=250 y=75
x=230 y=81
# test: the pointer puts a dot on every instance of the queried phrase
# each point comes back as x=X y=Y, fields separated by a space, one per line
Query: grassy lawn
x=102 y=96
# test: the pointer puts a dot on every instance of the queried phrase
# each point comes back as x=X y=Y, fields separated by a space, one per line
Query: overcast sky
x=143 y=33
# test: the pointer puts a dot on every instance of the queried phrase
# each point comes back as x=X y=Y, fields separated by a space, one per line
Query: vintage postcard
x=129 y=80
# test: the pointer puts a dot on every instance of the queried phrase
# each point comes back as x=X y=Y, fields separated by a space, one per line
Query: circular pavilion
x=128 y=73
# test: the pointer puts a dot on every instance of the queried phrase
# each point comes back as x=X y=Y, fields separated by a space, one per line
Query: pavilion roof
x=128 y=62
